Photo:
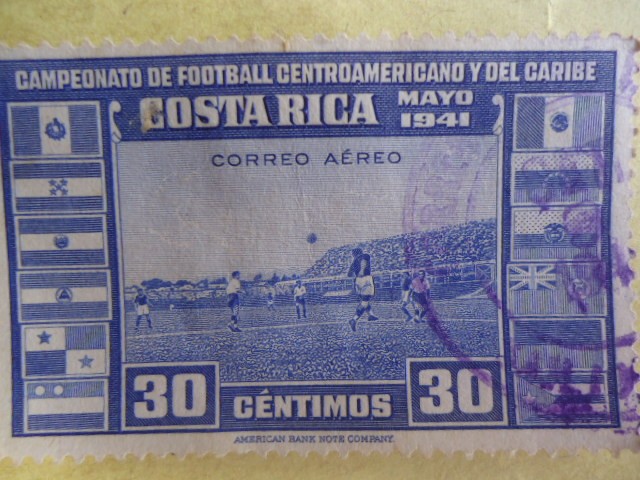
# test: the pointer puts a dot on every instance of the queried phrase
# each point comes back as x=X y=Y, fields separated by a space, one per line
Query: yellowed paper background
x=56 y=21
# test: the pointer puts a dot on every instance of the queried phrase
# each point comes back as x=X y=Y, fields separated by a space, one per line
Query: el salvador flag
x=559 y=122
x=67 y=296
x=65 y=351
x=58 y=187
x=66 y=406
x=55 y=129
x=61 y=242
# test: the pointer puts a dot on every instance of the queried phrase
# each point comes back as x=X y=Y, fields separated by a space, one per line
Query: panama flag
x=66 y=350
x=67 y=296
x=58 y=187
x=61 y=242
x=559 y=122
x=55 y=129
x=66 y=406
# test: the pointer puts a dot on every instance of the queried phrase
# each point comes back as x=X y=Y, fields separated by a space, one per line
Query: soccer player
x=406 y=296
x=142 y=307
x=300 y=298
x=363 y=284
x=421 y=296
x=234 y=289
x=270 y=302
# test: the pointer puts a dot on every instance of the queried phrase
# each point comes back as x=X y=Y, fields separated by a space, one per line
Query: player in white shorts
x=300 y=299
x=363 y=284
x=234 y=289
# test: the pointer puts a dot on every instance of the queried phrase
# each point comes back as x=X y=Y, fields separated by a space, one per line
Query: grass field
x=276 y=346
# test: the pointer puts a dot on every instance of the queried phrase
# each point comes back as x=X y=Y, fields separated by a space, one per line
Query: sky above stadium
x=184 y=218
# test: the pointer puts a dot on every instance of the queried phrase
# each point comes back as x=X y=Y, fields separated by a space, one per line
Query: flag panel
x=65 y=241
x=559 y=122
x=562 y=398
x=556 y=290
x=66 y=406
x=541 y=344
x=55 y=129
x=66 y=351
x=547 y=178
x=556 y=234
x=53 y=187
x=81 y=295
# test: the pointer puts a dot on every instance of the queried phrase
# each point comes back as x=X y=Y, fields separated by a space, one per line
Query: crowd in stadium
x=470 y=242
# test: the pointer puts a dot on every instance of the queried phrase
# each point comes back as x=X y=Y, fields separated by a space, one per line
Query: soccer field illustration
x=410 y=204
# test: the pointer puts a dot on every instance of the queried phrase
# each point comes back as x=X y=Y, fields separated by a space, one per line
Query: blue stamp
x=318 y=250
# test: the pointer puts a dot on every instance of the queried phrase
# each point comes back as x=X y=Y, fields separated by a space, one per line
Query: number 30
x=440 y=399
x=155 y=403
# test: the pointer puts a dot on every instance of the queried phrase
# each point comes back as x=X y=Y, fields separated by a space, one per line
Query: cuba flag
x=58 y=187
x=66 y=406
x=62 y=242
x=64 y=296
x=559 y=122
x=68 y=129
x=53 y=351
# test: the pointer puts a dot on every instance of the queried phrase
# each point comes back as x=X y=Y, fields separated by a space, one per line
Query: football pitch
x=275 y=345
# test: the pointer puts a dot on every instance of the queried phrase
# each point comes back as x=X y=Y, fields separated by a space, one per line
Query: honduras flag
x=559 y=122
x=58 y=187
x=61 y=242
x=64 y=351
x=55 y=129
x=66 y=296
x=66 y=406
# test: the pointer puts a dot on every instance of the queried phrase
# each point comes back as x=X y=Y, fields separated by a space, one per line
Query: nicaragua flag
x=55 y=129
x=63 y=351
x=559 y=122
x=61 y=242
x=67 y=296
x=66 y=406
x=58 y=187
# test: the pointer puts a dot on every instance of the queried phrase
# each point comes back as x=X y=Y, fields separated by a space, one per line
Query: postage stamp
x=347 y=245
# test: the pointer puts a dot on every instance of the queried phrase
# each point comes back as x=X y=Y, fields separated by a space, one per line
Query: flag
x=559 y=122
x=550 y=344
x=65 y=350
x=547 y=178
x=566 y=397
x=58 y=187
x=562 y=290
x=560 y=234
x=64 y=296
x=66 y=405
x=65 y=241
x=55 y=129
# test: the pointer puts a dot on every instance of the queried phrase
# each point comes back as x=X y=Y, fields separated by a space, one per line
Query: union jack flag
x=532 y=277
